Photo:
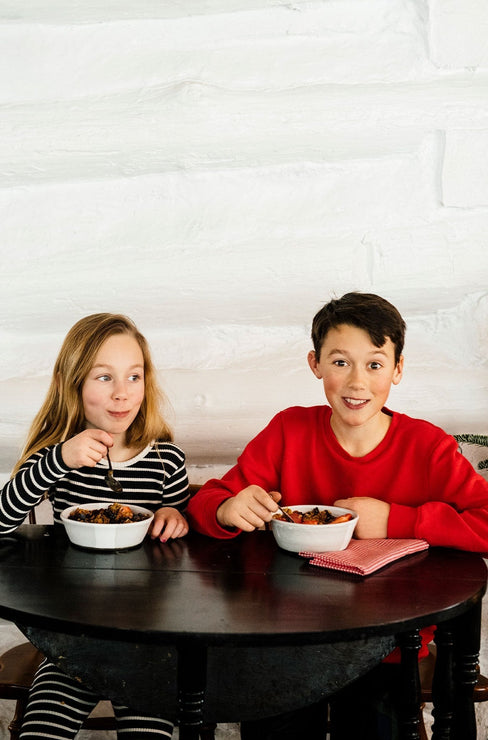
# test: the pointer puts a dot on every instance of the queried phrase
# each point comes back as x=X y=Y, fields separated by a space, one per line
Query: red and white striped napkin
x=365 y=556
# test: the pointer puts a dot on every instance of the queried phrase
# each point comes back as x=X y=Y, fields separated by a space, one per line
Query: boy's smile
x=357 y=377
x=354 y=402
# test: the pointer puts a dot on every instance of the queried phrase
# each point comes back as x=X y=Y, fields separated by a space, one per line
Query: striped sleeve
x=175 y=491
x=24 y=491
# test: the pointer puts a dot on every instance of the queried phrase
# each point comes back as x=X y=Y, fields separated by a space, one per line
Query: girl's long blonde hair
x=61 y=415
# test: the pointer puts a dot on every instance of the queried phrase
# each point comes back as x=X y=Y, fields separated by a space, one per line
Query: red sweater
x=434 y=492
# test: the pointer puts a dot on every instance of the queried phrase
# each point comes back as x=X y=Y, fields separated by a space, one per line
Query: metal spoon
x=110 y=480
x=286 y=515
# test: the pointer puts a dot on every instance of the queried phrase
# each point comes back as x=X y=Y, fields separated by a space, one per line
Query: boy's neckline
x=363 y=443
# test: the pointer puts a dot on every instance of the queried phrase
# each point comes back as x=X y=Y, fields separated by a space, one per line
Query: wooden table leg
x=409 y=688
x=443 y=683
x=192 y=678
x=466 y=655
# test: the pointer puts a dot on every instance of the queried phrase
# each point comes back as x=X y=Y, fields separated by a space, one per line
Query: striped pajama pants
x=58 y=705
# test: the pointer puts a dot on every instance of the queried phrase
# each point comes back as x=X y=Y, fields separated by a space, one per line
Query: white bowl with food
x=106 y=526
x=300 y=536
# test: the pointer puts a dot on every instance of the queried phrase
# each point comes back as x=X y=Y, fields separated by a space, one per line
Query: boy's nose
x=356 y=378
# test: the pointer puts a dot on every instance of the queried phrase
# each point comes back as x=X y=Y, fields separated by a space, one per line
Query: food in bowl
x=111 y=535
x=113 y=514
x=313 y=516
x=301 y=537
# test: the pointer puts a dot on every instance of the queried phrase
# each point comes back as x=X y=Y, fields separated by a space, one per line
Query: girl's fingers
x=171 y=528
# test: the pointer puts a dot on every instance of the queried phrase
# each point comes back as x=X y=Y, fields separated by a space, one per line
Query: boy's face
x=357 y=375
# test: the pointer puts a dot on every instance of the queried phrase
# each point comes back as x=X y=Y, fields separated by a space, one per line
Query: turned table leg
x=466 y=658
x=409 y=688
x=192 y=677
x=443 y=694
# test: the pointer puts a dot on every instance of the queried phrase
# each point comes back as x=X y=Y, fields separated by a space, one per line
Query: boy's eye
x=340 y=363
x=375 y=365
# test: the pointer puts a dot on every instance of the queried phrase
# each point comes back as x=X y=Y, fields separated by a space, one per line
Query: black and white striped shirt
x=154 y=478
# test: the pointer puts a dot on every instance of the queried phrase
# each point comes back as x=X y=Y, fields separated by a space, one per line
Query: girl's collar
x=132 y=460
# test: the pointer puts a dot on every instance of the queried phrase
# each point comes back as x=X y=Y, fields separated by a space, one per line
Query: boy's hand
x=250 y=509
x=373 y=516
x=86 y=448
x=168 y=524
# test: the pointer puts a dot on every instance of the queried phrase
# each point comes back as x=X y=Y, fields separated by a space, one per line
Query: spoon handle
x=286 y=515
x=115 y=485
x=110 y=469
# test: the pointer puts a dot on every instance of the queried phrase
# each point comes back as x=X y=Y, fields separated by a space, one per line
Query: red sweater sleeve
x=259 y=464
x=456 y=514
x=202 y=510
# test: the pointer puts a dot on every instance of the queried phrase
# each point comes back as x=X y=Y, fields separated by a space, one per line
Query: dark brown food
x=113 y=514
x=313 y=516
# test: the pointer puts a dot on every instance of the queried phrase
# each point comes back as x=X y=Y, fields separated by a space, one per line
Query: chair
x=17 y=670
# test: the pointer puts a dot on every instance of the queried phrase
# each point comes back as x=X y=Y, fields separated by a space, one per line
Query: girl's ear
x=314 y=365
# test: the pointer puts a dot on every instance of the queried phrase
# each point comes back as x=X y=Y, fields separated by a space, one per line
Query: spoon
x=286 y=515
x=110 y=480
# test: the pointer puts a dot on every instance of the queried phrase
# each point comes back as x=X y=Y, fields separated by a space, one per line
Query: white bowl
x=314 y=537
x=106 y=536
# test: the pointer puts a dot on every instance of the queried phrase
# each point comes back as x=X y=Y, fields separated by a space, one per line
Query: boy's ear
x=314 y=365
x=398 y=372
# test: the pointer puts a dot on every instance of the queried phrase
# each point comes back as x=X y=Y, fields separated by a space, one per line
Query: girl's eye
x=135 y=377
x=103 y=378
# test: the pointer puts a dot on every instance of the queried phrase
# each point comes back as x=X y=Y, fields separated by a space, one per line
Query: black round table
x=206 y=630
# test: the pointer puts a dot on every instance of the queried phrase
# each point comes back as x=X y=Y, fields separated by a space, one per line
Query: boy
x=405 y=477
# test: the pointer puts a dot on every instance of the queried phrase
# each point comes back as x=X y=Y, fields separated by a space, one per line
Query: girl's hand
x=86 y=448
x=373 y=516
x=250 y=509
x=168 y=524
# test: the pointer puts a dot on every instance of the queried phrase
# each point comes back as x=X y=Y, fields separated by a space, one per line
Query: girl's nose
x=120 y=391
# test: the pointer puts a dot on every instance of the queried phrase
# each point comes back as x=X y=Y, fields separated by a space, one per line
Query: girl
x=103 y=396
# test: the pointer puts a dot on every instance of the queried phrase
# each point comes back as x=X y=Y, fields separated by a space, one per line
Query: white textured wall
x=220 y=169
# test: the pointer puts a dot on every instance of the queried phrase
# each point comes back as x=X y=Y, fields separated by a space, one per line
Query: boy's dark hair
x=365 y=311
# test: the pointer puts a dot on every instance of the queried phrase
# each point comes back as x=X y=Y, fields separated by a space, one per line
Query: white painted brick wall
x=458 y=33
x=464 y=176
x=218 y=172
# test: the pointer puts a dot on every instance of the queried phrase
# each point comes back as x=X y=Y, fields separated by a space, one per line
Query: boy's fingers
x=275 y=495
x=245 y=525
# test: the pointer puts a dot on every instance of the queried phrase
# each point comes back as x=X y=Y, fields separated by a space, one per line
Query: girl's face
x=114 y=388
